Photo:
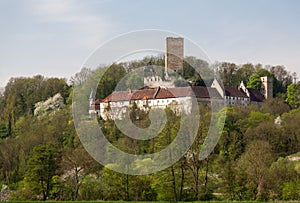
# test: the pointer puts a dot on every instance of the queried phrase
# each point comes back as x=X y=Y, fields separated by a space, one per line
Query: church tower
x=174 y=54
x=267 y=86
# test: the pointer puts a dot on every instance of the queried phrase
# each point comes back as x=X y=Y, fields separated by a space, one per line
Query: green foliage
x=254 y=119
x=41 y=168
x=275 y=106
x=42 y=157
x=110 y=78
x=91 y=188
x=180 y=83
x=3 y=130
x=21 y=95
x=134 y=82
x=255 y=163
x=232 y=74
x=293 y=96
x=291 y=191
x=254 y=82
x=285 y=173
x=245 y=72
x=228 y=73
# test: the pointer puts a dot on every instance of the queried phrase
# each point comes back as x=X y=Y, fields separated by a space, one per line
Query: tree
x=230 y=148
x=21 y=95
x=77 y=164
x=134 y=82
x=245 y=72
x=51 y=105
x=293 y=96
x=255 y=162
x=291 y=190
x=253 y=119
x=52 y=86
x=2 y=105
x=198 y=169
x=9 y=161
x=227 y=72
x=116 y=186
x=254 y=82
x=41 y=167
x=80 y=78
x=282 y=75
x=270 y=132
x=275 y=106
x=168 y=189
x=110 y=79
x=291 y=131
x=285 y=173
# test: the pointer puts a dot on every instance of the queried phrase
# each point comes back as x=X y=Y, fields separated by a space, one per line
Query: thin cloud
x=87 y=27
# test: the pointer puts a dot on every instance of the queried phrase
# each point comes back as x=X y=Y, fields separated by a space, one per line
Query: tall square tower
x=174 y=55
x=267 y=86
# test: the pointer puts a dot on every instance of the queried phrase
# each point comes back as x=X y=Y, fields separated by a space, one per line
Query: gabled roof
x=256 y=95
x=235 y=92
x=206 y=92
x=176 y=92
x=164 y=93
x=143 y=94
x=118 y=96
x=130 y=95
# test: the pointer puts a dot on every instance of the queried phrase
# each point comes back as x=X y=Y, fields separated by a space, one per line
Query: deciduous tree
x=41 y=167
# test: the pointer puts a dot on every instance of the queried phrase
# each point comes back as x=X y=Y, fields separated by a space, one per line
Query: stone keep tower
x=174 y=54
x=267 y=86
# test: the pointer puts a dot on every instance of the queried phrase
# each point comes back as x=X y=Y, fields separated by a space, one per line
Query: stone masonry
x=174 y=54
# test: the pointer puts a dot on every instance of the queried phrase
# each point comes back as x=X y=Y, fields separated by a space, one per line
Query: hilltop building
x=161 y=91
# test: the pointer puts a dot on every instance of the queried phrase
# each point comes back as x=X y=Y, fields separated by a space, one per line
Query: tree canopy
x=42 y=158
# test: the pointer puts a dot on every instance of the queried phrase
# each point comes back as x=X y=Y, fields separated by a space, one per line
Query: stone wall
x=267 y=86
x=174 y=55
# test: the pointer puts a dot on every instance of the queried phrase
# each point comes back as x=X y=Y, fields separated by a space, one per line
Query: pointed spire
x=92 y=94
x=92 y=97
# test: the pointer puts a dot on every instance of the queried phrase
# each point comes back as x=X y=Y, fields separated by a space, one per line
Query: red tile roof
x=144 y=94
x=163 y=93
x=118 y=96
x=194 y=91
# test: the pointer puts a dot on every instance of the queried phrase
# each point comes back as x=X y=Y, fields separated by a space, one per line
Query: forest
x=256 y=158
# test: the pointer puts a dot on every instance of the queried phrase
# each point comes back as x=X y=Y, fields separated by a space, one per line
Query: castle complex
x=162 y=92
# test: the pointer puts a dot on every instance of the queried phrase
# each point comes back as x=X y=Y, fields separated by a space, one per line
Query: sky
x=55 y=37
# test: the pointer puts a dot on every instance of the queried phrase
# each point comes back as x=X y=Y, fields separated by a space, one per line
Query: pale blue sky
x=54 y=38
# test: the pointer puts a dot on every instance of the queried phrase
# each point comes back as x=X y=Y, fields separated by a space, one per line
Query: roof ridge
x=156 y=92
